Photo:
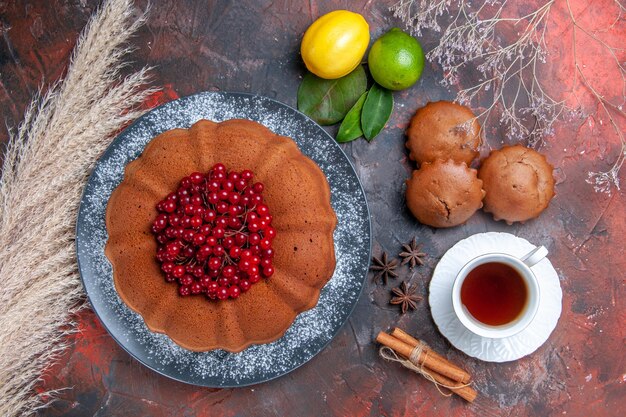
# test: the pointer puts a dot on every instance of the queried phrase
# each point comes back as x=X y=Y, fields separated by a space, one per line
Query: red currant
x=174 y=219
x=160 y=222
x=196 y=222
x=254 y=238
x=270 y=233
x=265 y=243
x=262 y=210
x=234 y=292
x=199 y=239
x=212 y=286
x=228 y=271
x=244 y=264
x=196 y=178
x=244 y=285
x=185 y=280
x=167 y=267
x=188 y=235
x=215 y=263
x=222 y=293
x=234 y=252
x=169 y=206
x=205 y=251
x=240 y=184
x=173 y=248
x=246 y=174
x=218 y=250
x=240 y=239
x=196 y=288
x=178 y=271
x=258 y=188
x=185 y=182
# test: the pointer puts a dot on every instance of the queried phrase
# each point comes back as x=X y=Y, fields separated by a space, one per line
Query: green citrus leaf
x=350 y=128
x=376 y=111
x=328 y=101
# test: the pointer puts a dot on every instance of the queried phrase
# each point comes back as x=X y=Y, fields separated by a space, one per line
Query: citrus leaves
x=376 y=111
x=350 y=128
x=364 y=113
x=328 y=101
x=368 y=116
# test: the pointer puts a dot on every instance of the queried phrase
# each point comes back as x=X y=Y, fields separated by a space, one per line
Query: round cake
x=302 y=221
x=519 y=183
x=443 y=130
x=444 y=193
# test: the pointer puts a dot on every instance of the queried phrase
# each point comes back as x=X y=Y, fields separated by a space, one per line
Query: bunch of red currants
x=215 y=234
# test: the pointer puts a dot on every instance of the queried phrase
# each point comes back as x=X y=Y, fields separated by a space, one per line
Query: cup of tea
x=497 y=295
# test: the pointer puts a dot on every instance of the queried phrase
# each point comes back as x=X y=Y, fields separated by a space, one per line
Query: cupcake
x=444 y=193
x=443 y=130
x=519 y=183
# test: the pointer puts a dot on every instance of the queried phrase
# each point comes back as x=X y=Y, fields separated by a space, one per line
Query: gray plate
x=311 y=331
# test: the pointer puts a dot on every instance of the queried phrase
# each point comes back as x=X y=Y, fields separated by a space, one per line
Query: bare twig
x=471 y=41
x=602 y=180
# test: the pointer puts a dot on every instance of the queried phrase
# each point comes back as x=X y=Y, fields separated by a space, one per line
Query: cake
x=519 y=183
x=443 y=130
x=444 y=193
x=294 y=190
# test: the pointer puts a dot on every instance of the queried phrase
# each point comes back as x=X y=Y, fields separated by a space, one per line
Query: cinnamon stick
x=435 y=364
x=465 y=392
x=410 y=340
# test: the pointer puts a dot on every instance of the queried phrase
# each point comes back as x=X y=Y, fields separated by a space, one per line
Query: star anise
x=384 y=268
x=412 y=254
x=405 y=296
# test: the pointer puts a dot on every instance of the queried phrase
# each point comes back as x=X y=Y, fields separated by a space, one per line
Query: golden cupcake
x=519 y=183
x=443 y=130
x=444 y=193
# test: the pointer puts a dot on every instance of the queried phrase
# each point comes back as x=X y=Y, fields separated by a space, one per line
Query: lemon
x=335 y=44
x=396 y=60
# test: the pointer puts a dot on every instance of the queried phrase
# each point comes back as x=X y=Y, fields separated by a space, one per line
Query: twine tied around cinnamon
x=413 y=364
x=418 y=357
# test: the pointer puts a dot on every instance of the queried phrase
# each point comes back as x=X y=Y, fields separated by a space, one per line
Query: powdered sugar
x=312 y=330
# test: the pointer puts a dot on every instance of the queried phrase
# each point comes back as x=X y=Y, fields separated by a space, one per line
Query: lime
x=396 y=60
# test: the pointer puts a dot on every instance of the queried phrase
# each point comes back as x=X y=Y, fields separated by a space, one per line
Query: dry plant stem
x=46 y=164
x=510 y=71
x=602 y=180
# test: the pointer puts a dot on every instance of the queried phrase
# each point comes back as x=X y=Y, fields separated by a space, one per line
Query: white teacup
x=523 y=267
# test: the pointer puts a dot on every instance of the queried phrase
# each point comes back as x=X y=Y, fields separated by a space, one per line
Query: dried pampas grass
x=46 y=165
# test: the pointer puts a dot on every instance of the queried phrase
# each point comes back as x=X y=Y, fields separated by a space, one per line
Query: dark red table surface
x=253 y=46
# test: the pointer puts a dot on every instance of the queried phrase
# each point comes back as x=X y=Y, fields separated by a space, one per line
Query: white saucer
x=493 y=350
